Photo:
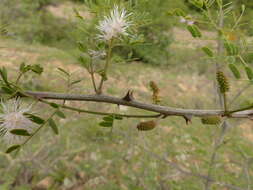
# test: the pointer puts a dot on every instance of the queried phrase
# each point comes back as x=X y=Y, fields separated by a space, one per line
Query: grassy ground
x=85 y=156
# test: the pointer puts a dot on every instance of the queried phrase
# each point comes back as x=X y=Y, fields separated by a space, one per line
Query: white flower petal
x=13 y=118
x=114 y=25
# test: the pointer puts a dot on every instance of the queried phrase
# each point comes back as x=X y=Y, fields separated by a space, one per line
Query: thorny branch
x=164 y=110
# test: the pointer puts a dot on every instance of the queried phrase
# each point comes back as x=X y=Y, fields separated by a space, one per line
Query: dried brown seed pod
x=155 y=97
x=146 y=125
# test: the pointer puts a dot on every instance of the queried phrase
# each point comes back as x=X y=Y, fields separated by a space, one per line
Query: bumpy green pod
x=222 y=81
x=211 y=120
x=146 y=125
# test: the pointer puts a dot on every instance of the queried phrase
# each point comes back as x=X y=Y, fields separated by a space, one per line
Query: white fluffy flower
x=13 y=118
x=190 y=22
x=114 y=25
x=183 y=20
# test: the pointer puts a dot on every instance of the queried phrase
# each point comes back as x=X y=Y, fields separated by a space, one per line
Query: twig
x=103 y=113
x=239 y=93
x=92 y=76
x=217 y=144
x=108 y=59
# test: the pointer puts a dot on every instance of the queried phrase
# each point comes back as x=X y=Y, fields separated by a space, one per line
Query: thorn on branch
x=188 y=119
x=129 y=96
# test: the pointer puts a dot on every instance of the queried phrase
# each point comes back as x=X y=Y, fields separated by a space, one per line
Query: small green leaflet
x=3 y=73
x=106 y=124
x=8 y=90
x=37 y=69
x=208 y=51
x=81 y=47
x=231 y=48
x=12 y=148
x=107 y=121
x=249 y=72
x=75 y=82
x=20 y=132
x=53 y=125
x=234 y=70
x=194 y=30
x=54 y=105
x=179 y=12
x=63 y=71
x=83 y=61
x=60 y=114
x=197 y=3
x=35 y=119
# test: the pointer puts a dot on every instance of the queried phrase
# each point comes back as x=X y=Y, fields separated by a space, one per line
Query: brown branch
x=167 y=111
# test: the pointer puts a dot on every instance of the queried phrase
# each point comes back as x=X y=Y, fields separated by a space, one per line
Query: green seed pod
x=222 y=81
x=146 y=125
x=211 y=120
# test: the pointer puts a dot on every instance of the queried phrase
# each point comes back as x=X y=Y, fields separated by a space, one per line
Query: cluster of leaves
x=108 y=121
x=233 y=43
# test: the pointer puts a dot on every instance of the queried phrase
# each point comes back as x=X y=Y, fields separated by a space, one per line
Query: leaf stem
x=108 y=59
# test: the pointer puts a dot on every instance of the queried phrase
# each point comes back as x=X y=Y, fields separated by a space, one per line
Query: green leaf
x=106 y=124
x=3 y=30
x=108 y=118
x=7 y=89
x=22 y=67
x=37 y=69
x=179 y=12
x=118 y=117
x=75 y=82
x=83 y=62
x=20 y=132
x=60 y=114
x=77 y=14
x=235 y=71
x=3 y=73
x=63 y=71
x=194 y=30
x=249 y=72
x=12 y=148
x=54 y=105
x=231 y=48
x=53 y=126
x=219 y=2
x=208 y=51
x=197 y=3
x=35 y=119
x=81 y=47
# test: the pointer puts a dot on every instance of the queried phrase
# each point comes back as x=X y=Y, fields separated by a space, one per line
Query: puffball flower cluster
x=187 y=21
x=12 y=117
x=114 y=25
